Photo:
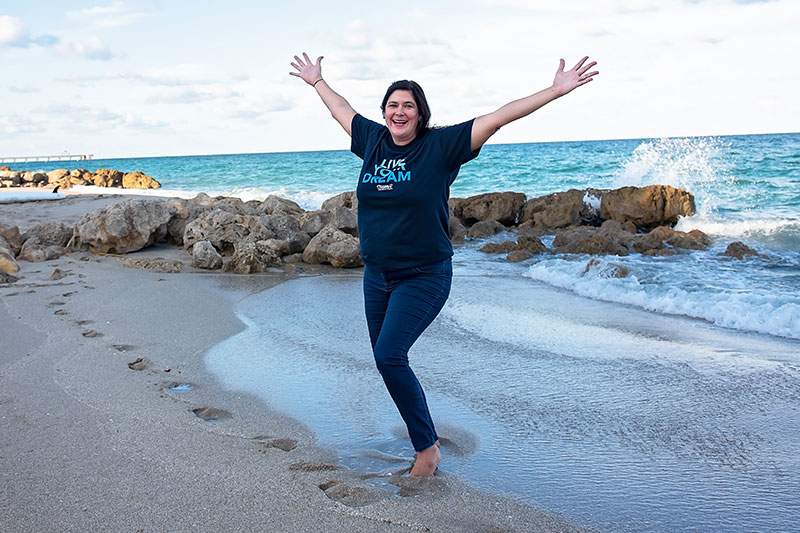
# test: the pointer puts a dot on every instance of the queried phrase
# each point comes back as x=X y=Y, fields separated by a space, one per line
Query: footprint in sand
x=91 y=334
x=68 y=294
x=56 y=303
x=140 y=363
x=413 y=486
x=264 y=443
x=123 y=347
x=84 y=322
x=210 y=414
x=60 y=312
x=350 y=495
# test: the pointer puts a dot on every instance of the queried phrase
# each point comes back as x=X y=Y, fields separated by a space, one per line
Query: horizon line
x=619 y=139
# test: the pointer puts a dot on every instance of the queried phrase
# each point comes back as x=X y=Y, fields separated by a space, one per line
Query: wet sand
x=110 y=421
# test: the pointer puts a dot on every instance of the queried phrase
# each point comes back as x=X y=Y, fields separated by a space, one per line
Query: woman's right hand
x=307 y=70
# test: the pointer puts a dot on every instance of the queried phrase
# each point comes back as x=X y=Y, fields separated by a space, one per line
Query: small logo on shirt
x=385 y=187
x=390 y=170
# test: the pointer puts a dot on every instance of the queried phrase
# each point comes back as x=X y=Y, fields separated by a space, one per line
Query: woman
x=402 y=193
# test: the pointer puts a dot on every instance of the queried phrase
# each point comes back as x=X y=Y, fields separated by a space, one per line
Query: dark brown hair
x=419 y=98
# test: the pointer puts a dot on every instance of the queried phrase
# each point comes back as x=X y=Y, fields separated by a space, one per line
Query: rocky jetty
x=64 y=179
x=246 y=237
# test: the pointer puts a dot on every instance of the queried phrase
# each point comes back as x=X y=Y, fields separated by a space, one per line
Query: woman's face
x=402 y=116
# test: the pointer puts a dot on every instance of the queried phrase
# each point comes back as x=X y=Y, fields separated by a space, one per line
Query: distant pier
x=37 y=158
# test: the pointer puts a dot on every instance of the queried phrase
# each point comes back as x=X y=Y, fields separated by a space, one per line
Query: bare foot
x=427 y=461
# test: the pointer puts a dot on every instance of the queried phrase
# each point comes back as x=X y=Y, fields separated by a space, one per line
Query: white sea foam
x=28 y=196
x=687 y=163
x=774 y=314
x=739 y=228
x=592 y=201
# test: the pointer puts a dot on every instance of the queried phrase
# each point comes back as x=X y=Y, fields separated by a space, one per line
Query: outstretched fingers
x=580 y=63
x=581 y=71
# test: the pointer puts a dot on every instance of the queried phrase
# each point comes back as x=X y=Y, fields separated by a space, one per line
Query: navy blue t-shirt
x=403 y=191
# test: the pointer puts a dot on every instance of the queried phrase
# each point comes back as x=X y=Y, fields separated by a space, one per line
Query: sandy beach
x=110 y=421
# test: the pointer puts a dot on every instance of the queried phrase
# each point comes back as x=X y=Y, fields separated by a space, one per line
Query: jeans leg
x=413 y=304
x=376 y=300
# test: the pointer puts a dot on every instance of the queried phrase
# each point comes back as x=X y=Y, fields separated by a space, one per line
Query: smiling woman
x=403 y=223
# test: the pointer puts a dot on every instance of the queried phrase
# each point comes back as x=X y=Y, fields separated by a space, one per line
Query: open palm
x=307 y=69
x=566 y=81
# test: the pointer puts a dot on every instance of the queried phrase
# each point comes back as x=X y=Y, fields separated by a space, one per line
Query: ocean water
x=746 y=187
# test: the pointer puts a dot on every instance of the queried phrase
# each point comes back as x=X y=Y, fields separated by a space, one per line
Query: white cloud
x=14 y=32
x=112 y=15
x=92 y=48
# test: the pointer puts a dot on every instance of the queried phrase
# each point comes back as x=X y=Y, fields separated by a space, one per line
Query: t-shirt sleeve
x=455 y=143
x=362 y=132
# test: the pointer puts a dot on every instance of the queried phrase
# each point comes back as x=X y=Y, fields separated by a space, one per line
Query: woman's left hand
x=566 y=81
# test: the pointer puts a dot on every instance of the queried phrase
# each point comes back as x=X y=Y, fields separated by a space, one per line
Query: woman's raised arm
x=311 y=73
x=565 y=81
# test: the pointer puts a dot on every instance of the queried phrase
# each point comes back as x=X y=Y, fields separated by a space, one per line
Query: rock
x=281 y=225
x=736 y=249
x=45 y=242
x=205 y=256
x=589 y=240
x=662 y=237
x=499 y=247
x=335 y=247
x=139 y=180
x=485 y=228
x=502 y=207
x=345 y=220
x=156 y=264
x=557 y=210
x=275 y=204
x=610 y=270
x=531 y=243
x=7 y=278
x=124 y=227
x=34 y=177
x=346 y=199
x=55 y=175
x=456 y=229
x=224 y=229
x=647 y=207
x=312 y=222
x=106 y=177
x=8 y=264
x=293 y=258
x=455 y=206
x=519 y=255
x=251 y=256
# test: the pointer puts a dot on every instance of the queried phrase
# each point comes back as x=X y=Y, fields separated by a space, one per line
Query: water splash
x=694 y=164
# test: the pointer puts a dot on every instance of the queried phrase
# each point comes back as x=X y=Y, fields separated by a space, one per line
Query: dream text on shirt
x=403 y=191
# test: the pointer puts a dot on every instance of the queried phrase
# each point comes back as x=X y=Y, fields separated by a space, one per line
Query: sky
x=126 y=78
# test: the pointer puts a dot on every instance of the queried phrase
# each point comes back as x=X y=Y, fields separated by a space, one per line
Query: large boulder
x=502 y=207
x=44 y=242
x=347 y=199
x=345 y=220
x=335 y=247
x=107 y=177
x=205 y=256
x=456 y=229
x=647 y=207
x=224 y=229
x=562 y=209
x=55 y=175
x=139 y=180
x=251 y=256
x=123 y=227
x=275 y=204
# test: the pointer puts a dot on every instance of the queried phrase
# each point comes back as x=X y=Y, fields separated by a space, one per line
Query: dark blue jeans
x=400 y=305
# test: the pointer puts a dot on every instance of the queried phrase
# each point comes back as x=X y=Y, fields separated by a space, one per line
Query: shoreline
x=85 y=428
